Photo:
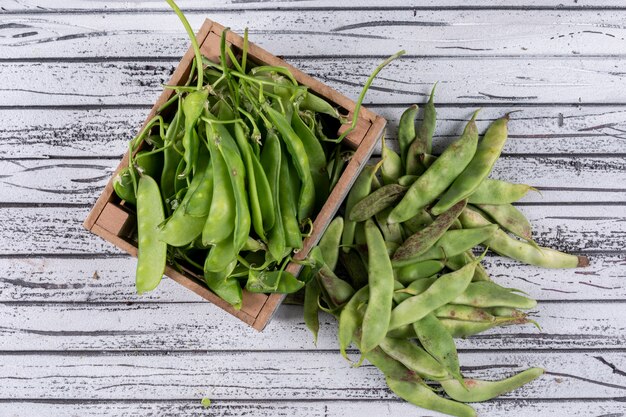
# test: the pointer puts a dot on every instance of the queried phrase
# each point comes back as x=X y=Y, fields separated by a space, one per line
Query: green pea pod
x=151 y=252
x=253 y=245
x=376 y=202
x=355 y=268
x=476 y=390
x=337 y=289
x=438 y=176
x=487 y=153
x=427 y=128
x=489 y=294
x=221 y=255
x=407 y=180
x=191 y=145
x=171 y=157
x=392 y=164
x=199 y=201
x=280 y=282
x=351 y=318
x=150 y=164
x=329 y=242
x=406 y=130
x=271 y=162
x=492 y=191
x=264 y=193
x=418 y=270
x=509 y=218
x=311 y=306
x=123 y=186
x=314 y=103
x=418 y=222
x=414 y=158
x=505 y=245
x=381 y=284
x=226 y=287
x=445 y=289
x=420 y=394
x=426 y=238
x=361 y=189
x=436 y=340
x=462 y=328
x=293 y=236
x=317 y=159
x=392 y=232
x=463 y=312
x=414 y=358
x=306 y=201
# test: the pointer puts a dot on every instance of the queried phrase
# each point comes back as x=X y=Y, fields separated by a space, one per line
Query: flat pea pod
x=424 y=239
x=487 y=153
x=271 y=160
x=407 y=180
x=192 y=106
x=509 y=218
x=445 y=289
x=337 y=289
x=492 y=191
x=391 y=231
x=221 y=220
x=426 y=129
x=317 y=159
x=221 y=255
x=489 y=294
x=463 y=329
x=361 y=189
x=149 y=163
x=311 y=308
x=314 y=103
x=421 y=395
x=296 y=149
x=476 y=390
x=279 y=282
x=329 y=242
x=226 y=287
x=458 y=261
x=151 y=252
x=505 y=245
x=351 y=318
x=414 y=288
x=414 y=165
x=406 y=130
x=376 y=202
x=436 y=340
x=171 y=157
x=293 y=236
x=391 y=168
x=381 y=285
x=418 y=270
x=386 y=364
x=199 y=201
x=438 y=176
x=123 y=186
x=414 y=358
x=418 y=222
x=463 y=312
x=454 y=242
x=355 y=268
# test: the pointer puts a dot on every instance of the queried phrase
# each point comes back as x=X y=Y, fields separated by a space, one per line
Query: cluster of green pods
x=405 y=279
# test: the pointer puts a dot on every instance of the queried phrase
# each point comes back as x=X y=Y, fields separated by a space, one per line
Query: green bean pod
x=171 y=157
x=420 y=394
x=406 y=130
x=314 y=103
x=337 y=289
x=271 y=160
x=391 y=168
x=311 y=306
x=417 y=270
x=351 y=318
x=509 y=218
x=414 y=358
x=489 y=294
x=463 y=312
x=463 y=329
x=329 y=242
x=355 y=268
x=417 y=222
x=492 y=191
x=192 y=106
x=361 y=189
x=426 y=129
x=289 y=216
x=377 y=201
x=391 y=231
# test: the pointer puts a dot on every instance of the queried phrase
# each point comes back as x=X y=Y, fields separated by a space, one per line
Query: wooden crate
x=114 y=222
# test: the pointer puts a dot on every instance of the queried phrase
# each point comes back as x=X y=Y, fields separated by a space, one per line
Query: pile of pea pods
x=399 y=271
x=228 y=175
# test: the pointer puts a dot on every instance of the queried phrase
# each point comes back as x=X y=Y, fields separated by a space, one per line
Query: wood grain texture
x=317 y=32
x=523 y=80
x=49 y=279
x=199 y=326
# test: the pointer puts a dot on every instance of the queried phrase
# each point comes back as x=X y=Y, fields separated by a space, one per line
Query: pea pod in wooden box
x=248 y=179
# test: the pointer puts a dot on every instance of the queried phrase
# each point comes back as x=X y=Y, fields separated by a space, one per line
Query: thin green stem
x=192 y=36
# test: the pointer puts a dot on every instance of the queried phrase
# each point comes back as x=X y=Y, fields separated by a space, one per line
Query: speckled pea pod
x=418 y=270
x=458 y=261
x=414 y=288
x=417 y=222
x=489 y=294
x=462 y=328
x=438 y=176
x=151 y=252
x=351 y=318
x=413 y=161
x=420 y=394
x=361 y=189
x=337 y=289
x=478 y=169
x=391 y=231
x=492 y=191
x=329 y=242
x=406 y=130
x=463 y=312
x=381 y=284
x=424 y=239
x=426 y=129
x=377 y=201
x=476 y=390
x=354 y=266
x=414 y=358
x=445 y=289
x=391 y=169
x=505 y=245
x=509 y=218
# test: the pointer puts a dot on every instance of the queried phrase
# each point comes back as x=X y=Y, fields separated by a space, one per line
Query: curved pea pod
x=293 y=236
x=478 y=169
x=253 y=245
x=391 y=231
x=317 y=159
x=391 y=168
x=311 y=308
x=151 y=252
x=297 y=151
x=458 y=261
x=406 y=130
x=221 y=255
x=314 y=103
x=337 y=289
x=226 y=287
x=489 y=294
x=271 y=160
x=454 y=242
x=386 y=364
x=439 y=343
x=492 y=191
x=379 y=200
x=414 y=358
x=361 y=189
x=421 y=395
x=351 y=318
x=199 y=201
x=172 y=158
x=424 y=239
x=445 y=289
x=418 y=222
x=407 y=180
x=414 y=288
x=476 y=390
x=280 y=282
x=381 y=286
x=463 y=312
x=418 y=270
x=426 y=129
x=221 y=220
x=509 y=218
x=123 y=186
x=438 y=176
x=505 y=245
x=414 y=156
x=355 y=268
x=463 y=329
x=329 y=242
x=193 y=106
